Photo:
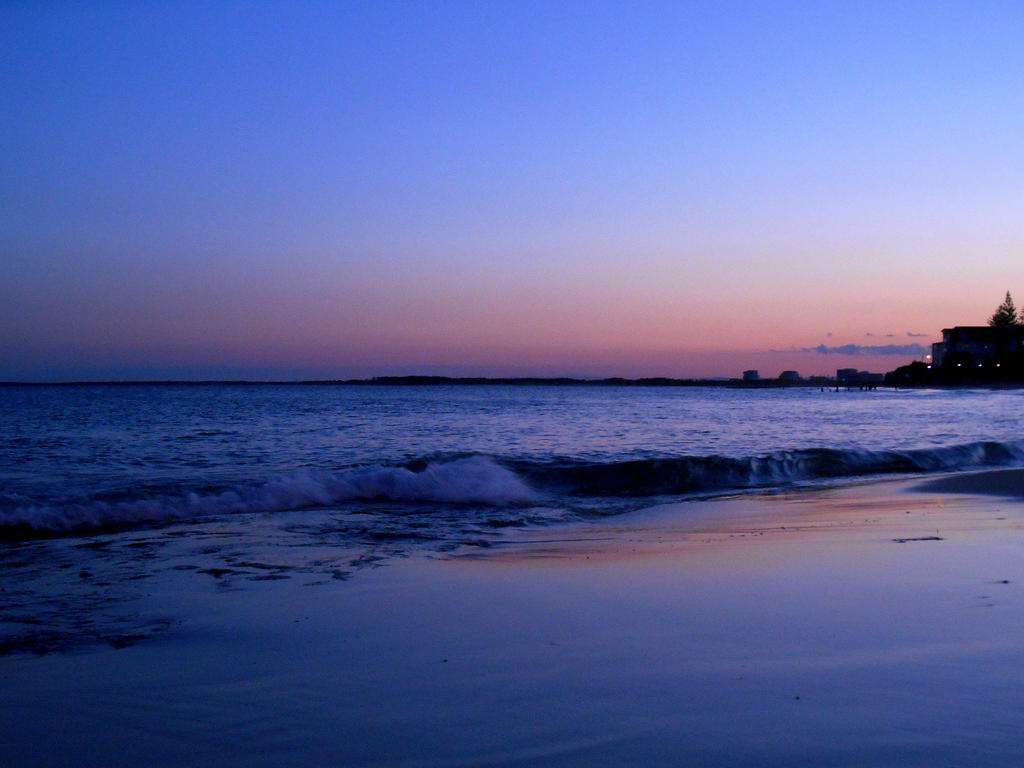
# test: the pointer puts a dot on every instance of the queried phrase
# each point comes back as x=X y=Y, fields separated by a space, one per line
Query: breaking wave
x=471 y=480
x=710 y=474
x=485 y=481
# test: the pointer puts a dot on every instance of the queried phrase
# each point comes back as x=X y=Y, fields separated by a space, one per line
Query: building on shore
x=974 y=344
x=969 y=354
x=751 y=376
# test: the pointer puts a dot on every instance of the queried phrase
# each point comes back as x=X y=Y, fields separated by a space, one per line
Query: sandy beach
x=872 y=625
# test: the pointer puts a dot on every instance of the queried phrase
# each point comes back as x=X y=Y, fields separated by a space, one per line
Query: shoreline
x=900 y=505
x=871 y=624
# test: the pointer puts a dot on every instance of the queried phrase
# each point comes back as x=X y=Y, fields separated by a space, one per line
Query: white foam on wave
x=473 y=480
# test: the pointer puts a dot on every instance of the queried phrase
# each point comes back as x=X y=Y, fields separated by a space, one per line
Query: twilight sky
x=336 y=189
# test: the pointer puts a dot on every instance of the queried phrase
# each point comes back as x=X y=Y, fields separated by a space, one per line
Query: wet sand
x=996 y=482
x=874 y=625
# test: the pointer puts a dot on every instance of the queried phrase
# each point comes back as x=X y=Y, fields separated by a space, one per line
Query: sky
x=349 y=189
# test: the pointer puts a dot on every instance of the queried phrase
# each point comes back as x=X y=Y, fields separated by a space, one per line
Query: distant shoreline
x=420 y=381
x=552 y=381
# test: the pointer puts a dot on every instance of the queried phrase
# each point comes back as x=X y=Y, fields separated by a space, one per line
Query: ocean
x=431 y=466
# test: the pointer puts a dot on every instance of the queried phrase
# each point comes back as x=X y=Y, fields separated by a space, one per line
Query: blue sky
x=349 y=189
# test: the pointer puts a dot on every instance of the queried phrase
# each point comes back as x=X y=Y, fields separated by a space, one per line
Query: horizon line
x=417 y=379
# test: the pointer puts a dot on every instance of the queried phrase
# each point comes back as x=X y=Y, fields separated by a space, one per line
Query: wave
x=470 y=480
x=486 y=481
x=709 y=474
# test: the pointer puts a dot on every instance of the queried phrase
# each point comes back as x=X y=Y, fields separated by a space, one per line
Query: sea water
x=107 y=489
x=77 y=459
